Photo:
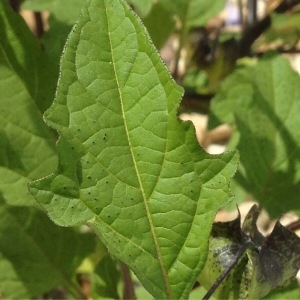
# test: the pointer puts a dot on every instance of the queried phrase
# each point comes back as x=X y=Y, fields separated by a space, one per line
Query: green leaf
x=194 y=12
x=160 y=23
x=35 y=254
x=284 y=29
x=142 y=7
x=127 y=166
x=60 y=21
x=27 y=149
x=261 y=103
x=57 y=8
x=292 y=291
x=257 y=265
x=105 y=279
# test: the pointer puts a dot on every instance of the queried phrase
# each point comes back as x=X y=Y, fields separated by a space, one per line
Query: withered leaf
x=243 y=264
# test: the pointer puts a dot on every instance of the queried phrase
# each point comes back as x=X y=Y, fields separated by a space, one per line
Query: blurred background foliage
x=216 y=50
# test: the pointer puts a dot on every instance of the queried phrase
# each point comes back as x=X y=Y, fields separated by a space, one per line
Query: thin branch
x=294 y=226
x=286 y=5
x=128 y=292
x=226 y=272
x=254 y=31
x=39 y=25
x=242 y=21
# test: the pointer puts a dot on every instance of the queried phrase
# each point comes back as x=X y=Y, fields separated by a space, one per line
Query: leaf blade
x=127 y=164
x=27 y=146
x=28 y=254
x=261 y=104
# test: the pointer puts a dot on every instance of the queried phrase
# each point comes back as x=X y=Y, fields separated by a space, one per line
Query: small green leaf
x=57 y=8
x=127 y=166
x=193 y=12
x=261 y=102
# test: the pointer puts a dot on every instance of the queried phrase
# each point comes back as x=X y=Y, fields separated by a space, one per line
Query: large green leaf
x=35 y=254
x=27 y=149
x=262 y=103
x=127 y=166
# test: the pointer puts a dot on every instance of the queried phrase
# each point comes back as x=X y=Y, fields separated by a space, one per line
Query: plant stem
x=226 y=272
x=242 y=21
x=252 y=12
x=294 y=225
x=128 y=292
x=39 y=25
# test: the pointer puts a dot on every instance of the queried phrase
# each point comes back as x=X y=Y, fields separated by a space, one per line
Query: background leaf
x=105 y=279
x=60 y=22
x=292 y=291
x=33 y=261
x=27 y=149
x=160 y=23
x=193 y=12
x=55 y=7
x=142 y=7
x=128 y=167
x=261 y=103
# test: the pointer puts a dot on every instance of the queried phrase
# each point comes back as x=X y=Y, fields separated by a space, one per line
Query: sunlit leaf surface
x=127 y=166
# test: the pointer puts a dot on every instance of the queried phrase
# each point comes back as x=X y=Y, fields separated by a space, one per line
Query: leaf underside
x=127 y=166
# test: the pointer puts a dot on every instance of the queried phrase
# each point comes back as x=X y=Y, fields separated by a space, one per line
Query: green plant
x=124 y=164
